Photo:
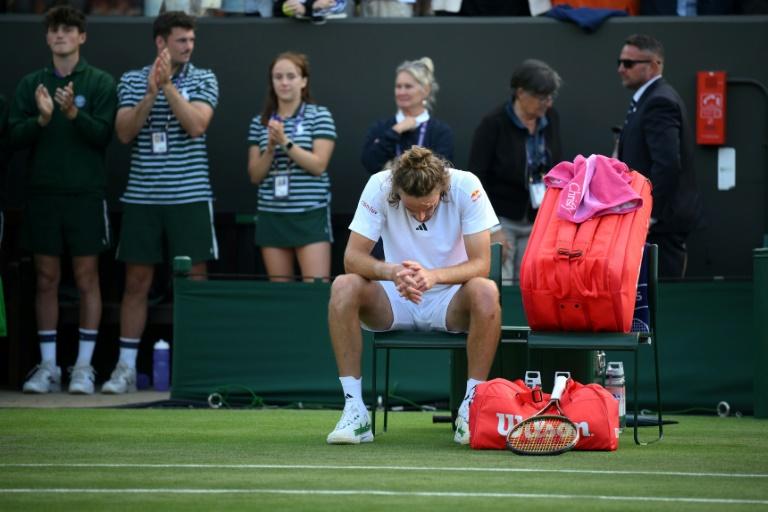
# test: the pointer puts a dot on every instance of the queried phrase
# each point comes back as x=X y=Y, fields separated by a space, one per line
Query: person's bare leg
x=354 y=298
x=476 y=309
x=47 y=278
x=278 y=262
x=86 y=271
x=315 y=261
x=133 y=309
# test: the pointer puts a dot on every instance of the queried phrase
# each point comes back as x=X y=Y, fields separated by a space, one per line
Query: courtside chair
x=618 y=341
x=420 y=340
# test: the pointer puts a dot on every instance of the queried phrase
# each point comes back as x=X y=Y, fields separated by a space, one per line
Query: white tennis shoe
x=81 y=380
x=462 y=422
x=46 y=378
x=122 y=380
x=354 y=427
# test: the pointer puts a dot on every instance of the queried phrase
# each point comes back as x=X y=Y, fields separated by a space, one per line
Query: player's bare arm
x=478 y=264
x=130 y=120
x=358 y=260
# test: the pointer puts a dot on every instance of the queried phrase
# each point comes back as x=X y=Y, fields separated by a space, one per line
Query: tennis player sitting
x=434 y=221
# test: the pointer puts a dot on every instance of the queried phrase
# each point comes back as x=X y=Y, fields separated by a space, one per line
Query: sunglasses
x=629 y=63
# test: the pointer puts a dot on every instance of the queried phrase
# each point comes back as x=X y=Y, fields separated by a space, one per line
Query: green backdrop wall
x=272 y=338
x=353 y=64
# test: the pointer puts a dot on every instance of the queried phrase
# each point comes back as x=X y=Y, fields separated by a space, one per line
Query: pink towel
x=593 y=186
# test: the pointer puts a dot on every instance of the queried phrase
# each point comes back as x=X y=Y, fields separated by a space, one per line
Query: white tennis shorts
x=427 y=316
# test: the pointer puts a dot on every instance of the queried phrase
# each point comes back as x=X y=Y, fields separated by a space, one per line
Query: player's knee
x=484 y=298
x=346 y=290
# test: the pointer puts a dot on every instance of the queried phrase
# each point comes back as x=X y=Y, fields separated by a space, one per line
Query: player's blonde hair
x=419 y=172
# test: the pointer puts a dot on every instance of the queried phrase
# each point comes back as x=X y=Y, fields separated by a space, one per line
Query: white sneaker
x=354 y=427
x=122 y=380
x=462 y=422
x=81 y=380
x=46 y=378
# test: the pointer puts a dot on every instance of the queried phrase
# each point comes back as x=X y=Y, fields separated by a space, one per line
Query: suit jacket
x=657 y=141
x=499 y=159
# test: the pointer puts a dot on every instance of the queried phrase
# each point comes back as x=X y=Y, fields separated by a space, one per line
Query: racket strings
x=543 y=435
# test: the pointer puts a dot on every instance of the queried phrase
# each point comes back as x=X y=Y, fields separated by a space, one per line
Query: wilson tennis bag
x=596 y=414
x=579 y=271
x=499 y=405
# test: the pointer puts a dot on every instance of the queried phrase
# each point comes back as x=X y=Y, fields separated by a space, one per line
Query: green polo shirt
x=66 y=157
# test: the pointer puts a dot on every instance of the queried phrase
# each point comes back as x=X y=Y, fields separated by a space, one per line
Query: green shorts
x=293 y=229
x=188 y=228
x=53 y=222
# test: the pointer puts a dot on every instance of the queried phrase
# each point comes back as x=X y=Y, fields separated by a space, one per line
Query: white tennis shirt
x=439 y=241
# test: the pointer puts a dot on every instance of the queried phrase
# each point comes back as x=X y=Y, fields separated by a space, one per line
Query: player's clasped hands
x=413 y=280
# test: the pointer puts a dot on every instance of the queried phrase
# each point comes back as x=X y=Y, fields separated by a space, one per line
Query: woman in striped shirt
x=291 y=144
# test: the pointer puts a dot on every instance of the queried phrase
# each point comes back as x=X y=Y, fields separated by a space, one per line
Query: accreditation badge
x=159 y=142
x=281 y=186
x=537 y=190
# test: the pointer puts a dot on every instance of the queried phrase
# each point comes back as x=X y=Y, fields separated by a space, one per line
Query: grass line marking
x=385 y=468
x=373 y=492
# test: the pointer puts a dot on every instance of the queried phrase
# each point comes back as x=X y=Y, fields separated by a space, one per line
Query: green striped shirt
x=307 y=192
x=179 y=175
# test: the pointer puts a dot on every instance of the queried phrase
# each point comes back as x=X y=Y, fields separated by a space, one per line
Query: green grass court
x=161 y=459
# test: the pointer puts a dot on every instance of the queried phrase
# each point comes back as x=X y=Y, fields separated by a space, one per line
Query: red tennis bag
x=583 y=276
x=595 y=412
x=499 y=405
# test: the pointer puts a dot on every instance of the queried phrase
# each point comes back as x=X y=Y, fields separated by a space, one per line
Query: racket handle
x=557 y=390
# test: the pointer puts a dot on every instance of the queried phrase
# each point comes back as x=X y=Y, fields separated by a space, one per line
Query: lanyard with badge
x=283 y=178
x=535 y=163
x=420 y=142
x=160 y=134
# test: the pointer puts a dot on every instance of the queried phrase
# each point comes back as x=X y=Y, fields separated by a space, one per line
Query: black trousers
x=673 y=254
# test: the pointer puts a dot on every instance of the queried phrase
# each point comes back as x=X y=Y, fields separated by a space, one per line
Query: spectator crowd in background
x=387 y=8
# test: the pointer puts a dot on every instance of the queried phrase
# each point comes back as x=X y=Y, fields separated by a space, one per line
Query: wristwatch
x=288 y=145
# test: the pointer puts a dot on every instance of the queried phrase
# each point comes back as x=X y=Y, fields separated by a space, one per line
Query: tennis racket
x=548 y=432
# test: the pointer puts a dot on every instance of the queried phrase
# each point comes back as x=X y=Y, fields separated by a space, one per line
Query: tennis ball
x=287 y=10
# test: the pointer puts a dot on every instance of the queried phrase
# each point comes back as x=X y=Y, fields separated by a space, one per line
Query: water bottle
x=599 y=362
x=616 y=386
x=533 y=378
x=161 y=366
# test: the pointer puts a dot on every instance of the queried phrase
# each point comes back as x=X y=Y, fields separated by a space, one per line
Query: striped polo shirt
x=306 y=192
x=180 y=175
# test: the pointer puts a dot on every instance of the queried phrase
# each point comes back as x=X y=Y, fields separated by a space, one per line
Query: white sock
x=87 y=344
x=353 y=388
x=471 y=383
x=129 y=349
x=47 y=346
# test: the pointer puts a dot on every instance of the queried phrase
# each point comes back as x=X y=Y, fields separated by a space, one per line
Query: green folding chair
x=618 y=341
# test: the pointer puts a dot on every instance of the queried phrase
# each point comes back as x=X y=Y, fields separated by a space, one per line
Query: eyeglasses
x=544 y=98
x=629 y=63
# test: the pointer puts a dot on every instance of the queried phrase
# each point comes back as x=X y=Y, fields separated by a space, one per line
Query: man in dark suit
x=656 y=140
